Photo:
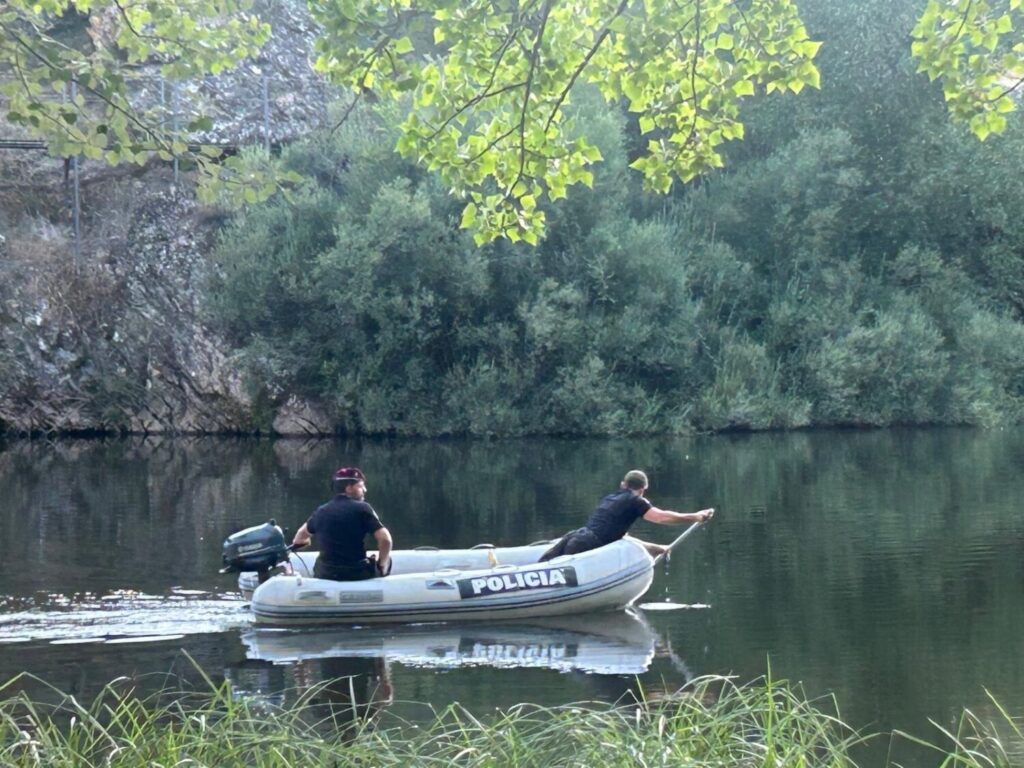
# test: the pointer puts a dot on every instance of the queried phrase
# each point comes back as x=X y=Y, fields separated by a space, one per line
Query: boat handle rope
x=295 y=551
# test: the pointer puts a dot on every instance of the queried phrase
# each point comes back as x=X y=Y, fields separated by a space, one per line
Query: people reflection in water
x=347 y=693
x=665 y=679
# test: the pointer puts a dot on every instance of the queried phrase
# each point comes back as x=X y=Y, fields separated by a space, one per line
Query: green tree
x=487 y=80
x=490 y=80
x=975 y=47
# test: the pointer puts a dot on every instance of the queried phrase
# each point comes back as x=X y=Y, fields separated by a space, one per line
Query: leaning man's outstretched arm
x=667 y=517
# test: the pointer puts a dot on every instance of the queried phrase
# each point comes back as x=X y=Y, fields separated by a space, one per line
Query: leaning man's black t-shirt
x=616 y=512
x=341 y=526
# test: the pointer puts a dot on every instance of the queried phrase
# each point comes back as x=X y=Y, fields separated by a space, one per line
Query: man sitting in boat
x=615 y=513
x=341 y=527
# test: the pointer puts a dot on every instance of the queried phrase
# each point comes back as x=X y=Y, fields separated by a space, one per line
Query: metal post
x=77 y=196
x=174 y=125
x=266 y=113
x=67 y=159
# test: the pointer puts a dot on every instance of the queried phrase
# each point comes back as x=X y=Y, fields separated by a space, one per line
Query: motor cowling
x=259 y=549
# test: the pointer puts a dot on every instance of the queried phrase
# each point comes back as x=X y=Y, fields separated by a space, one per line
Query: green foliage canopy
x=487 y=82
x=976 y=48
x=490 y=81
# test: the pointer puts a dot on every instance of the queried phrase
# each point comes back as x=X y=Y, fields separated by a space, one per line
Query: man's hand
x=706 y=514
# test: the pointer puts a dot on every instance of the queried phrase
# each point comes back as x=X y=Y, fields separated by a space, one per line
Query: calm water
x=884 y=567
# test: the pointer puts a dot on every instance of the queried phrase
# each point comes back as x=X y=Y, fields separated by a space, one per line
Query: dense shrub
x=889 y=369
x=362 y=293
x=859 y=262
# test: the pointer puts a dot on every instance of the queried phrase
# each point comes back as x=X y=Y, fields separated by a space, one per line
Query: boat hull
x=425 y=587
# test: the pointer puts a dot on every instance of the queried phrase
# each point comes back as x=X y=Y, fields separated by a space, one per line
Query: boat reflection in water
x=348 y=669
x=611 y=643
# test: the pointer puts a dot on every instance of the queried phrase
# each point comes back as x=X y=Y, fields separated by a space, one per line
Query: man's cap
x=635 y=478
x=349 y=473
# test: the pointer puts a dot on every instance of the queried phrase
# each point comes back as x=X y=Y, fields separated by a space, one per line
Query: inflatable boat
x=609 y=643
x=430 y=585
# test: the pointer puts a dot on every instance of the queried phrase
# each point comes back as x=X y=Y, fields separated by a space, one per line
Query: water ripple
x=118 y=617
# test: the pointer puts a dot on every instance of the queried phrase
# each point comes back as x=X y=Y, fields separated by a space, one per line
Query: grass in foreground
x=712 y=723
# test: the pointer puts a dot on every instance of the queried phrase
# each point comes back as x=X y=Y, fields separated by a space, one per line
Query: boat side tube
x=607 y=578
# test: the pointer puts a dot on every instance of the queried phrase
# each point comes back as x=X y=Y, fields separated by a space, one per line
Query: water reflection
x=344 y=693
x=147 y=665
x=619 y=643
x=855 y=562
x=350 y=674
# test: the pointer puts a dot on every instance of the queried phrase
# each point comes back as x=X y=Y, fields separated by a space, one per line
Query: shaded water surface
x=884 y=567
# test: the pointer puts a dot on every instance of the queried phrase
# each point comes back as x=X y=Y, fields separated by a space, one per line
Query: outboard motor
x=258 y=549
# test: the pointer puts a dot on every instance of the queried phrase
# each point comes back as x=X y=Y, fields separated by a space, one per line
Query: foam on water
x=669 y=606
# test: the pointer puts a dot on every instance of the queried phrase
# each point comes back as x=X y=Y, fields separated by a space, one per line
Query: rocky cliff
x=109 y=334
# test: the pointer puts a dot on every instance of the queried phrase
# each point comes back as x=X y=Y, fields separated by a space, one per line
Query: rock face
x=279 y=91
x=296 y=416
x=276 y=96
x=112 y=336
x=117 y=341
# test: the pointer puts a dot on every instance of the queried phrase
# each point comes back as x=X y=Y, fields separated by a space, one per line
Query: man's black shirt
x=616 y=512
x=341 y=526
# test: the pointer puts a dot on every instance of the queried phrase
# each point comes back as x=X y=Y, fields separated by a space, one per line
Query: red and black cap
x=350 y=473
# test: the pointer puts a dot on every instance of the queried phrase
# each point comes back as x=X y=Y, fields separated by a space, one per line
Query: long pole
x=678 y=540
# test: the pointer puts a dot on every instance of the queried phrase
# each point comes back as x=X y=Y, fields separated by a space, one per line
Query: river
x=884 y=567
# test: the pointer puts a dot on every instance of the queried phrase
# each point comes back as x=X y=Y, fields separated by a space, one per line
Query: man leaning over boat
x=341 y=526
x=614 y=515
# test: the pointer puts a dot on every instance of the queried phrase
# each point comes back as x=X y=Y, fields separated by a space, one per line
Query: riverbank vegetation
x=713 y=722
x=859 y=262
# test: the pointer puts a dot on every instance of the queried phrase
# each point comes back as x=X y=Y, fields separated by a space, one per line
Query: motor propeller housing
x=259 y=548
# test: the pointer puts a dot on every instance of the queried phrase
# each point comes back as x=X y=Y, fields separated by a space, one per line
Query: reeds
x=713 y=722
x=978 y=742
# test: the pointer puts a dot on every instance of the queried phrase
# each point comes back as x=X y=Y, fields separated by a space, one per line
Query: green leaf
x=743 y=88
